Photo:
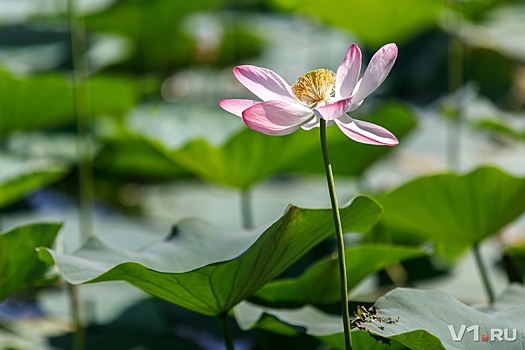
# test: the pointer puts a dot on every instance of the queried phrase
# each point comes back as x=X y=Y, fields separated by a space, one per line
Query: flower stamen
x=315 y=87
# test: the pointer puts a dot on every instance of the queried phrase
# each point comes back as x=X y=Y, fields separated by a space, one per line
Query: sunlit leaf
x=416 y=319
x=18 y=179
x=246 y=158
x=321 y=280
x=235 y=268
x=455 y=211
x=292 y=322
x=425 y=319
x=19 y=264
x=46 y=101
x=112 y=95
x=28 y=103
x=376 y=22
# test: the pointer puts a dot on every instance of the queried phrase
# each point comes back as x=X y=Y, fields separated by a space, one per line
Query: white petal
x=355 y=105
x=314 y=123
x=365 y=132
x=264 y=83
x=376 y=72
x=334 y=110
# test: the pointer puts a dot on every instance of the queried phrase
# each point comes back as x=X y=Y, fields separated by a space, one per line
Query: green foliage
x=454 y=211
x=500 y=128
x=112 y=95
x=154 y=26
x=27 y=179
x=19 y=264
x=160 y=37
x=292 y=322
x=174 y=270
x=350 y=158
x=416 y=319
x=210 y=270
x=238 y=43
x=492 y=72
x=132 y=157
x=425 y=316
x=376 y=22
x=517 y=259
x=28 y=103
x=249 y=156
x=321 y=280
x=246 y=158
x=46 y=101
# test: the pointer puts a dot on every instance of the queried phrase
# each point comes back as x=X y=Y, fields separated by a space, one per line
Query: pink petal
x=348 y=72
x=264 y=83
x=377 y=71
x=276 y=117
x=365 y=132
x=334 y=110
x=236 y=106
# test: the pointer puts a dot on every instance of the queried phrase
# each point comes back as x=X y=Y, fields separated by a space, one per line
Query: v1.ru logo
x=495 y=334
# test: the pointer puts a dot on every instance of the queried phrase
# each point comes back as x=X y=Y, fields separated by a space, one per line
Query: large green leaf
x=22 y=178
x=376 y=22
x=427 y=317
x=19 y=264
x=455 y=211
x=175 y=271
x=321 y=280
x=307 y=319
x=419 y=320
x=246 y=158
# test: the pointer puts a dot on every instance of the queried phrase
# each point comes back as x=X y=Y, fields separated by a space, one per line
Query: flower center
x=315 y=87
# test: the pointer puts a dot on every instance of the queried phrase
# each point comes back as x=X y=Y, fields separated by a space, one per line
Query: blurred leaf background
x=151 y=147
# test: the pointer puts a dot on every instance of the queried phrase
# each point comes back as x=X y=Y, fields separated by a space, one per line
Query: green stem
x=455 y=80
x=246 y=208
x=483 y=272
x=86 y=188
x=78 y=336
x=226 y=333
x=82 y=112
x=339 y=236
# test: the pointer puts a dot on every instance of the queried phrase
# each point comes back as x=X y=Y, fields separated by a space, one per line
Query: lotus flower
x=320 y=94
